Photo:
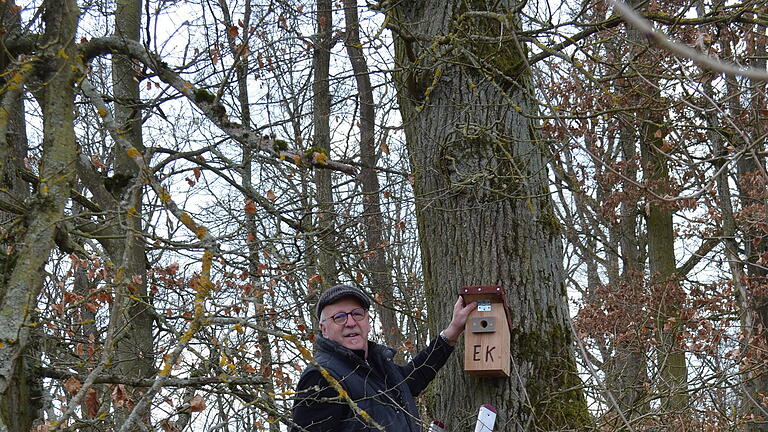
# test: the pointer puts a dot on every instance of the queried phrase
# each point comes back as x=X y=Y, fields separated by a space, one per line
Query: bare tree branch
x=678 y=49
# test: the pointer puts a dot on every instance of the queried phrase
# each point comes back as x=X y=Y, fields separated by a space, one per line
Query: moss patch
x=202 y=95
x=490 y=37
x=549 y=219
x=479 y=161
x=554 y=389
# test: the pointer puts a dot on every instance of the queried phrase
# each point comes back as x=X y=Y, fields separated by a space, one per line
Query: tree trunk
x=753 y=182
x=327 y=255
x=630 y=368
x=134 y=355
x=58 y=69
x=379 y=270
x=252 y=233
x=665 y=287
x=729 y=225
x=483 y=207
x=20 y=405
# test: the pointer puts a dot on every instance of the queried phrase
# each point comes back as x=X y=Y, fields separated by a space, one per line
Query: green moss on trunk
x=491 y=38
x=21 y=404
x=556 y=397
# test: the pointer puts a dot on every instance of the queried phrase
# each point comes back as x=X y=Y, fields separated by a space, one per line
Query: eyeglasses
x=341 y=317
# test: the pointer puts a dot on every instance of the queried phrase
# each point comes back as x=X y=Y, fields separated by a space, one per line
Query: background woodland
x=180 y=179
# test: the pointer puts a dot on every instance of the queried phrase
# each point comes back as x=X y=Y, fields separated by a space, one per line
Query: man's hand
x=459 y=319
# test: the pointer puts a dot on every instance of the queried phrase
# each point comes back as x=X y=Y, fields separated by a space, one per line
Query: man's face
x=351 y=334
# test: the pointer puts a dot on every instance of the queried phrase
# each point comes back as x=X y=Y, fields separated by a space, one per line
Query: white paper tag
x=486 y=418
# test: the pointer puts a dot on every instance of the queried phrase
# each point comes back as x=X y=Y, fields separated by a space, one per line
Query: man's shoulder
x=312 y=382
x=382 y=351
x=310 y=375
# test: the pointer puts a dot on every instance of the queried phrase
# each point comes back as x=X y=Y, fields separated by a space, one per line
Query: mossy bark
x=483 y=207
x=57 y=67
x=20 y=404
x=134 y=351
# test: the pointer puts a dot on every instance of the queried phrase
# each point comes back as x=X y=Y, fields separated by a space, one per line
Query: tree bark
x=20 y=405
x=630 y=367
x=483 y=206
x=327 y=255
x=378 y=268
x=134 y=351
x=252 y=233
x=58 y=68
x=665 y=287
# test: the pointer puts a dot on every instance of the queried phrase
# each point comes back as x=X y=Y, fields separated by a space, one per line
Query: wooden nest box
x=487 y=332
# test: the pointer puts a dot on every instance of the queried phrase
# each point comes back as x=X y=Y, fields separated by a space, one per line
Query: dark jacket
x=380 y=387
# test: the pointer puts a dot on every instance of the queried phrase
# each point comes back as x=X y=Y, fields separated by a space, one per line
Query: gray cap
x=335 y=293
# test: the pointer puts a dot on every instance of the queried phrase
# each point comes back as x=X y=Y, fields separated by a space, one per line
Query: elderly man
x=366 y=370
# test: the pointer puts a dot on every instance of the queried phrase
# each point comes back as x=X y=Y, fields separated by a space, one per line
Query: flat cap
x=335 y=293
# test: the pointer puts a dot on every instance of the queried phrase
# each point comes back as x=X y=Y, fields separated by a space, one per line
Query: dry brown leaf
x=71 y=385
x=197 y=404
x=91 y=403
